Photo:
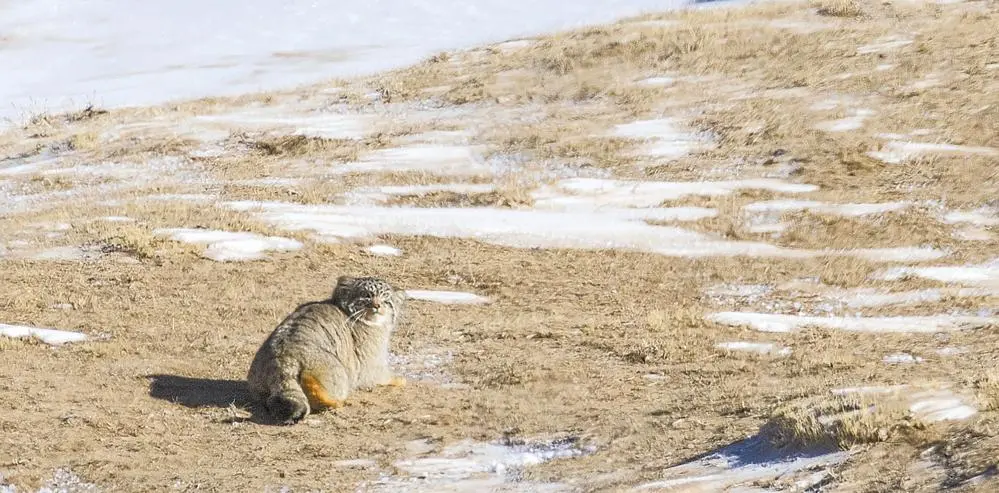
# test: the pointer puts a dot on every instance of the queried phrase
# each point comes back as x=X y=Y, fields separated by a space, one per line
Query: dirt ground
x=613 y=347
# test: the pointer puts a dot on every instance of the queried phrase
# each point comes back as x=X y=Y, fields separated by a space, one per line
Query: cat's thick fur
x=324 y=350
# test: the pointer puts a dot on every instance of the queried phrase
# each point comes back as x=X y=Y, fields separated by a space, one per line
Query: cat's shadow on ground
x=205 y=392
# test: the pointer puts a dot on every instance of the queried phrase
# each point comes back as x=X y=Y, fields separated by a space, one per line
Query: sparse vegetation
x=616 y=343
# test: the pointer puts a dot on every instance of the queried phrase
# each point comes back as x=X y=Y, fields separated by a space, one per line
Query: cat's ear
x=345 y=280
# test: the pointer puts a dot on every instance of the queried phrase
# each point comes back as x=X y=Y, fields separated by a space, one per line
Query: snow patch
x=901 y=359
x=624 y=229
x=312 y=124
x=755 y=347
x=383 y=250
x=447 y=297
x=356 y=464
x=868 y=389
x=741 y=465
x=661 y=81
x=895 y=152
x=985 y=275
x=847 y=124
x=373 y=195
x=980 y=217
x=67 y=253
x=117 y=219
x=470 y=466
x=933 y=404
x=666 y=138
x=48 y=336
x=940 y=405
x=846 y=210
x=972 y=233
x=595 y=193
x=433 y=159
x=224 y=246
x=772 y=322
x=881 y=45
x=274 y=181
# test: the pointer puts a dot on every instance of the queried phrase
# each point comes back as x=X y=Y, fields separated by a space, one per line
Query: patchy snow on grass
x=48 y=336
x=179 y=197
x=274 y=181
x=845 y=210
x=755 y=347
x=744 y=464
x=310 y=124
x=895 y=152
x=883 y=44
x=594 y=193
x=433 y=159
x=900 y=254
x=117 y=219
x=428 y=365
x=868 y=389
x=901 y=359
x=926 y=404
x=853 y=122
x=373 y=195
x=224 y=246
x=71 y=253
x=940 y=405
x=667 y=139
x=447 y=297
x=951 y=351
x=833 y=102
x=773 y=322
x=972 y=233
x=624 y=229
x=470 y=466
x=660 y=81
x=980 y=217
x=870 y=297
x=384 y=250
x=985 y=275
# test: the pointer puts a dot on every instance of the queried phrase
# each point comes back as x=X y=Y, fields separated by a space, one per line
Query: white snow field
x=69 y=54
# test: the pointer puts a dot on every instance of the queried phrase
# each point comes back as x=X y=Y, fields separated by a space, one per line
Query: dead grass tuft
x=839 y=8
x=508 y=198
x=129 y=239
x=843 y=421
x=845 y=271
x=988 y=390
x=339 y=150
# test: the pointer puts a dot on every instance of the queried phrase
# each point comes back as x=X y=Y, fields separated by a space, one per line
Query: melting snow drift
x=469 y=466
x=755 y=347
x=228 y=246
x=772 y=322
x=447 y=297
x=48 y=336
x=621 y=228
x=747 y=462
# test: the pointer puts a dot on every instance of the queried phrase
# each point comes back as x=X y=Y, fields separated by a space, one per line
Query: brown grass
x=839 y=8
x=615 y=343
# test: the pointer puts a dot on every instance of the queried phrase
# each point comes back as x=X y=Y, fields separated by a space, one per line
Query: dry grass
x=615 y=342
x=839 y=8
x=844 y=421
